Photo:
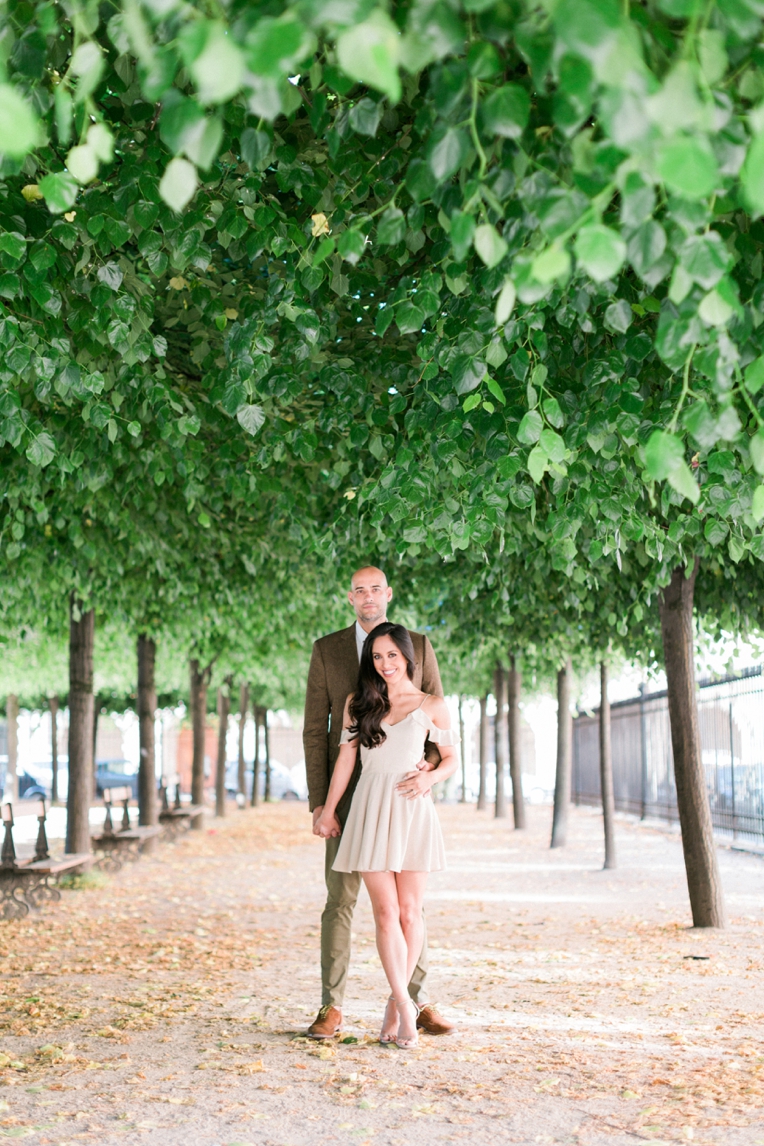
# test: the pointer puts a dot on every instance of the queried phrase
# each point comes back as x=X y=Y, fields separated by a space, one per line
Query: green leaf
x=553 y=412
x=687 y=165
x=551 y=264
x=489 y=245
x=111 y=274
x=82 y=163
x=505 y=303
x=754 y=376
x=365 y=116
x=683 y=482
x=664 y=453
x=274 y=46
x=462 y=232
x=256 y=148
x=471 y=401
x=178 y=184
x=715 y=531
x=752 y=175
x=14 y=244
x=101 y=140
x=756 y=447
x=391 y=227
x=325 y=248
x=60 y=191
x=87 y=62
x=351 y=244
x=218 y=70
x=134 y=429
x=552 y=445
x=42 y=450
x=529 y=430
x=447 y=152
x=250 y=418
x=19 y=126
x=700 y=422
x=467 y=373
x=538 y=463
x=757 y=503
x=10 y=285
x=370 y=52
x=495 y=389
x=600 y=251
x=619 y=316
x=409 y=317
x=715 y=310
x=506 y=111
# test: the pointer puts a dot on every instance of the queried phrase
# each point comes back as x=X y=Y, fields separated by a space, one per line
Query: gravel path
x=167 y=1006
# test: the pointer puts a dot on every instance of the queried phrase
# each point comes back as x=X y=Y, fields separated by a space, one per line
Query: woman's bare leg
x=391 y=942
x=411 y=887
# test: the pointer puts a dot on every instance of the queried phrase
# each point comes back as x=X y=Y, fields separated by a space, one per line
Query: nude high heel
x=410 y=1043
x=383 y=1038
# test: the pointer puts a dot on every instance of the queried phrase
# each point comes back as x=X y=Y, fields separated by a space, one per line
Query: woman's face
x=389 y=661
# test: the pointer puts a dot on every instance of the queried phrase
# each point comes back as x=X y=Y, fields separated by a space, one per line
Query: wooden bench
x=175 y=817
x=26 y=883
x=126 y=843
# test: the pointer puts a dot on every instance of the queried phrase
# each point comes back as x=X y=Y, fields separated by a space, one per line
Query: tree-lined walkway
x=166 y=1006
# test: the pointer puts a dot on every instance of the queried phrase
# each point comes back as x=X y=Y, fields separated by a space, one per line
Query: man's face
x=369 y=595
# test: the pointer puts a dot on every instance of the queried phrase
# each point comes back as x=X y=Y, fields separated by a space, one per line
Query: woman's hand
x=327 y=827
x=414 y=784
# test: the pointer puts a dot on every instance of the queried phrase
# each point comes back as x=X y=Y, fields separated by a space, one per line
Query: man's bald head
x=369 y=595
x=368 y=573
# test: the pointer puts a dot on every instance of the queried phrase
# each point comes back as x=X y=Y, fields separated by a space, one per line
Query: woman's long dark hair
x=370 y=703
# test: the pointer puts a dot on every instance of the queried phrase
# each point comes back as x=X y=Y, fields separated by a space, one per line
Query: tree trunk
x=11 y=789
x=606 y=771
x=462 y=746
x=53 y=704
x=564 y=758
x=267 y=745
x=200 y=679
x=256 y=761
x=81 y=722
x=241 y=783
x=704 y=885
x=96 y=714
x=500 y=740
x=224 y=709
x=148 y=809
x=483 y=750
x=514 y=682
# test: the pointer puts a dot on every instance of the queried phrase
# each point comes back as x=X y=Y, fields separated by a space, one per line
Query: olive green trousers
x=336 y=924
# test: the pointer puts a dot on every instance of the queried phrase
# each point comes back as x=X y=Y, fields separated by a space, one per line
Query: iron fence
x=731 y=718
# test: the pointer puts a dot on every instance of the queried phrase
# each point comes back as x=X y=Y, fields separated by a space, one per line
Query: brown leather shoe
x=432 y=1023
x=327 y=1023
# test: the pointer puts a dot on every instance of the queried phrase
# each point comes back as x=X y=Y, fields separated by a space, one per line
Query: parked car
x=30 y=788
x=116 y=774
x=286 y=783
x=36 y=779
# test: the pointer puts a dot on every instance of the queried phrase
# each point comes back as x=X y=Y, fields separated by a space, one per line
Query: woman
x=392 y=835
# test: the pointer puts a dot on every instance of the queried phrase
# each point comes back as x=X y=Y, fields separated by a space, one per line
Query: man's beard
x=379 y=616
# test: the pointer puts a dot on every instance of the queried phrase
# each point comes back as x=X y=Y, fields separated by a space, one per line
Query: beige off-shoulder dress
x=386 y=831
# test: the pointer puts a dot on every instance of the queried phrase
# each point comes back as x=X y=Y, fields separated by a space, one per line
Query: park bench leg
x=109 y=863
x=11 y=907
x=41 y=892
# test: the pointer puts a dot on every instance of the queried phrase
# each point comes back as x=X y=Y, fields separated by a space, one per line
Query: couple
x=382 y=694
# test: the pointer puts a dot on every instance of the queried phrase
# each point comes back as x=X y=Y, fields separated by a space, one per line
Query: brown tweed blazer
x=332 y=676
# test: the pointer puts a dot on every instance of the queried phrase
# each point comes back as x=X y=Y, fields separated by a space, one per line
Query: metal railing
x=731 y=718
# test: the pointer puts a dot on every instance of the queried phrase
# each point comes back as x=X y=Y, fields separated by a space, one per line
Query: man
x=332 y=676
